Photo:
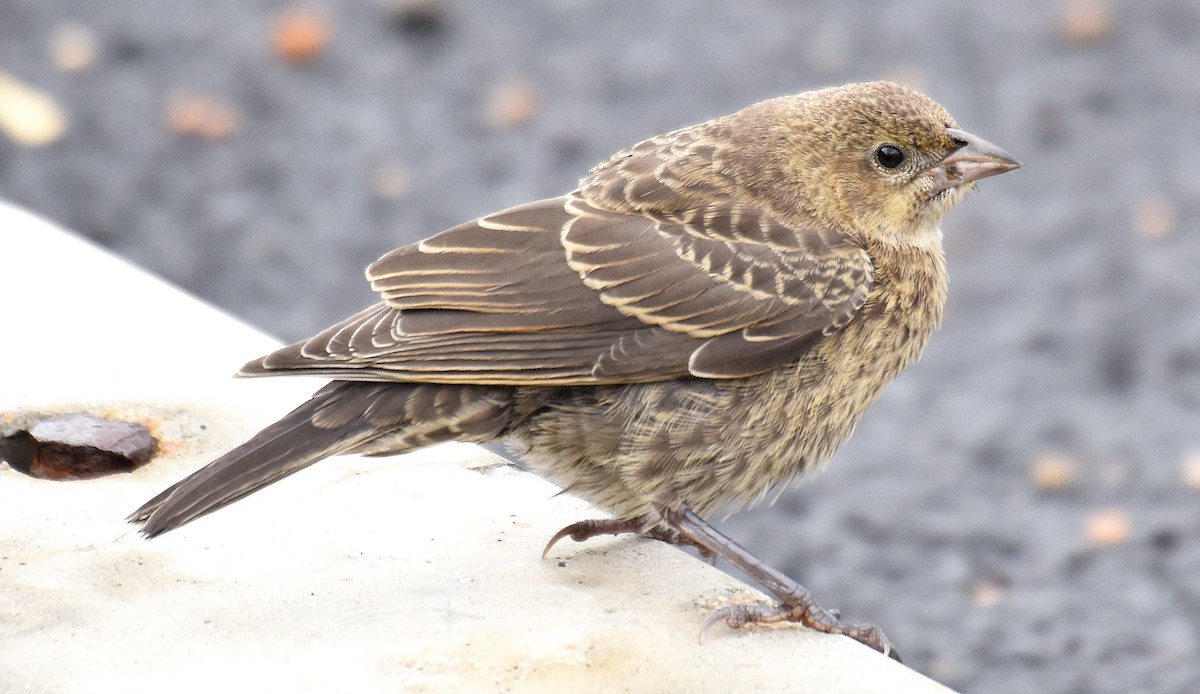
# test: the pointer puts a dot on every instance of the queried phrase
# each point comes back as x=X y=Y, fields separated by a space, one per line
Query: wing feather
x=652 y=270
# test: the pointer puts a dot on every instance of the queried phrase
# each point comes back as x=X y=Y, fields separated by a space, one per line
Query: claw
x=557 y=536
x=720 y=615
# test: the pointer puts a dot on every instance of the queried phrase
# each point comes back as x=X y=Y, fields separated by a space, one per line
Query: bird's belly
x=714 y=444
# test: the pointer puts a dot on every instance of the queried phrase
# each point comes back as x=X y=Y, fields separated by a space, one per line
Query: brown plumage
x=703 y=319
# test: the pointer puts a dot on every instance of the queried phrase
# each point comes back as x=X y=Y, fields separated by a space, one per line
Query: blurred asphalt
x=1021 y=510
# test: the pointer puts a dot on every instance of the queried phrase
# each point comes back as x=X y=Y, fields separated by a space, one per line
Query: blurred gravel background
x=1020 y=512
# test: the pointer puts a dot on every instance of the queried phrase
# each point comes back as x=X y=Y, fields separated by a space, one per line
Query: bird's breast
x=792 y=419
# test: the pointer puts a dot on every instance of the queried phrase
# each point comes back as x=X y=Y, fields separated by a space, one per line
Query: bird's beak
x=975 y=158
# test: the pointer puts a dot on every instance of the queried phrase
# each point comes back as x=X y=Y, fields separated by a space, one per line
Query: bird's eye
x=889 y=156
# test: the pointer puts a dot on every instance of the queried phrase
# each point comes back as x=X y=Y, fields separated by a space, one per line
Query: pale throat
x=926 y=237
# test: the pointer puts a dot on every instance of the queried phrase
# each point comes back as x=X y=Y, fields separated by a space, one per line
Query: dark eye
x=889 y=156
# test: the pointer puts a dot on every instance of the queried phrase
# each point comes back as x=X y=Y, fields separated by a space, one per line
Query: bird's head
x=877 y=158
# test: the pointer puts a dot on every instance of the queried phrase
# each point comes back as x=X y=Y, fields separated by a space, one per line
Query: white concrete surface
x=419 y=573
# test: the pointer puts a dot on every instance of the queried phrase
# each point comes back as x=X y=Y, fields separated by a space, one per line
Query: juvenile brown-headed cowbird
x=703 y=319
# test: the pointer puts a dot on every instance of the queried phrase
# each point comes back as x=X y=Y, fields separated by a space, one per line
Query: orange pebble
x=1190 y=471
x=987 y=593
x=1154 y=216
x=300 y=34
x=511 y=103
x=1054 y=471
x=204 y=116
x=1108 y=527
x=1086 y=21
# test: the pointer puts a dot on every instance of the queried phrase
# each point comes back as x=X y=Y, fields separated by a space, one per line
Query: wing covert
x=647 y=272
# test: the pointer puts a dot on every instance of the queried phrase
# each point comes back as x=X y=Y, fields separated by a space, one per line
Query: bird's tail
x=342 y=417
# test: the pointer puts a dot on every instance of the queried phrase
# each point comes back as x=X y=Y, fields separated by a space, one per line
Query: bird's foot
x=587 y=529
x=644 y=525
x=803 y=611
x=795 y=602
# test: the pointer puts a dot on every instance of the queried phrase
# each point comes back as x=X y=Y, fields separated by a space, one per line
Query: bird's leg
x=646 y=524
x=795 y=602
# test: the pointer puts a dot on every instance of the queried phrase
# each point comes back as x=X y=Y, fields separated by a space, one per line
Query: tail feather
x=289 y=445
x=342 y=417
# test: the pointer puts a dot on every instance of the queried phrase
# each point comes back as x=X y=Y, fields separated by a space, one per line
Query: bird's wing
x=640 y=276
x=560 y=292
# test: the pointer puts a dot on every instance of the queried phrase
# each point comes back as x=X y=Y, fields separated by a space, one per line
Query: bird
x=704 y=319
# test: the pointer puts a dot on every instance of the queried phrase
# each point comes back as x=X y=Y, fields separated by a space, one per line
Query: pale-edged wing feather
x=643 y=274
